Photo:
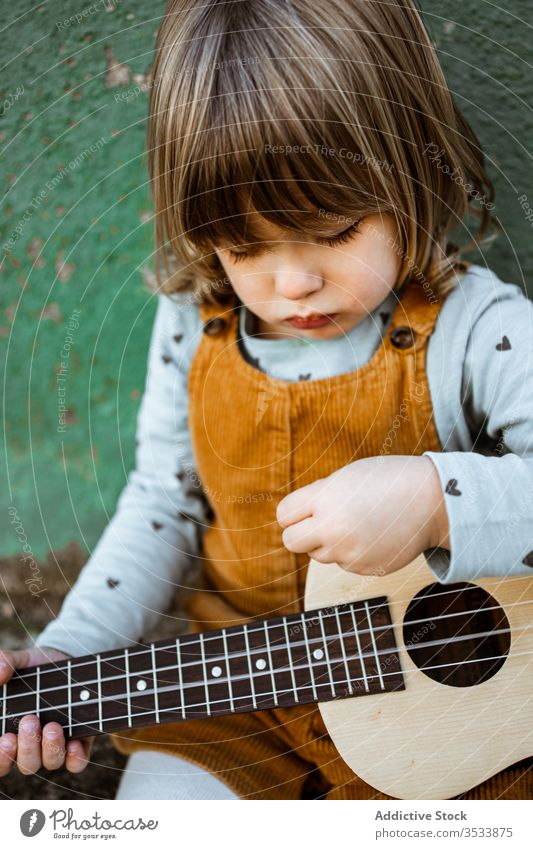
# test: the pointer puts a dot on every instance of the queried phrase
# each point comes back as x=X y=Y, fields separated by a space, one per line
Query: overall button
x=403 y=337
x=215 y=326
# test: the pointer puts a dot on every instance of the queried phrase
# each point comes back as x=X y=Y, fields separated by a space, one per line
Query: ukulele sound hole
x=457 y=634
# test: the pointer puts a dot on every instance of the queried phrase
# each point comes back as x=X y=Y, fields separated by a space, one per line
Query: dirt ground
x=21 y=619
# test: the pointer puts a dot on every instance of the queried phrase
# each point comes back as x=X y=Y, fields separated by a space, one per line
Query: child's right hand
x=28 y=748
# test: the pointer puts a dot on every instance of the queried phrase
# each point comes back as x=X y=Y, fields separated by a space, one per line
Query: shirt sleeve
x=148 y=550
x=488 y=491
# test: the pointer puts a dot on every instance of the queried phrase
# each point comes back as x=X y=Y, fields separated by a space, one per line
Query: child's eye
x=238 y=256
x=341 y=237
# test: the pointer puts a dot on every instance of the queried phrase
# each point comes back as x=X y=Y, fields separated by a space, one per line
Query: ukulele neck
x=336 y=652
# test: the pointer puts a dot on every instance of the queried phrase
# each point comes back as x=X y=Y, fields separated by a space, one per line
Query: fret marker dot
x=141 y=685
x=216 y=671
x=318 y=654
x=260 y=664
x=84 y=695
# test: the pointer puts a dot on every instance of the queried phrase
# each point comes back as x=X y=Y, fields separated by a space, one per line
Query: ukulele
x=425 y=688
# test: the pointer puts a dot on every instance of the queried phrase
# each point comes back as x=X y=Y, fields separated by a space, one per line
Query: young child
x=327 y=377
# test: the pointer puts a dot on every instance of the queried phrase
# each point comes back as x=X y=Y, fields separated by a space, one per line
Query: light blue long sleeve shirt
x=480 y=375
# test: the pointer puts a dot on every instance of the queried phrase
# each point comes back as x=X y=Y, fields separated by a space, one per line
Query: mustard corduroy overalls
x=255 y=439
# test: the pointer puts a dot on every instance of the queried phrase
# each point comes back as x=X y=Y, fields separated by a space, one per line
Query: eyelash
x=340 y=238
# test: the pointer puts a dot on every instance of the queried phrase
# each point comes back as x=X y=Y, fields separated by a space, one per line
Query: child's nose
x=297 y=285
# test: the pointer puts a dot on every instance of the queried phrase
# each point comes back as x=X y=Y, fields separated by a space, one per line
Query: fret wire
x=374 y=646
x=23 y=673
x=154 y=673
x=228 y=670
x=306 y=686
x=289 y=655
x=258 y=651
x=341 y=641
x=252 y=685
x=69 y=696
x=26 y=673
x=37 y=697
x=4 y=711
x=128 y=688
x=270 y=663
x=195 y=684
x=221 y=701
x=361 y=658
x=206 y=685
x=382 y=652
x=99 y=677
x=181 y=682
x=312 y=671
x=326 y=654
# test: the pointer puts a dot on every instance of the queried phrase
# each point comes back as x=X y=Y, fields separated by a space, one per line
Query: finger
x=29 y=745
x=321 y=555
x=6 y=668
x=14 y=659
x=302 y=537
x=87 y=744
x=78 y=753
x=8 y=752
x=53 y=746
x=295 y=506
x=11 y=660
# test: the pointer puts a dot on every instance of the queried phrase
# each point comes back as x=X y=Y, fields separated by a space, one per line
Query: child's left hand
x=374 y=515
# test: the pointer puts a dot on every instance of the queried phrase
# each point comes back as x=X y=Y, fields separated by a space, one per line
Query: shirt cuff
x=439 y=561
x=490 y=532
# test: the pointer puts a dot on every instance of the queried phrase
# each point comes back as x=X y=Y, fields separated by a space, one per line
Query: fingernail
x=6 y=745
x=71 y=747
x=4 y=668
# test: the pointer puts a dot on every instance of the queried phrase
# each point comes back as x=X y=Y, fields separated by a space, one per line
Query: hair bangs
x=248 y=159
x=262 y=107
x=289 y=197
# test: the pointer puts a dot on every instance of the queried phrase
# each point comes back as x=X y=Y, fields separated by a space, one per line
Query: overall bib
x=255 y=439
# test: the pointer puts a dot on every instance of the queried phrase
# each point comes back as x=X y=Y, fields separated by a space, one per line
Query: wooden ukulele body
x=431 y=740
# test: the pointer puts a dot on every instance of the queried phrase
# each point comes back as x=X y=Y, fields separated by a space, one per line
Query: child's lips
x=315 y=320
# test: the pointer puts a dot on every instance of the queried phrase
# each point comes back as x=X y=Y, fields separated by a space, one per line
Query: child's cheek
x=370 y=268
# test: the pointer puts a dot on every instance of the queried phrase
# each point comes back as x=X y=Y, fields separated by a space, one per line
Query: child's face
x=299 y=275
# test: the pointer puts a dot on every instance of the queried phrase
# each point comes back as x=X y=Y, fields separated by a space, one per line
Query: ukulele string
x=29 y=671
x=371 y=607
x=256 y=652
x=487 y=581
x=268 y=693
x=497 y=583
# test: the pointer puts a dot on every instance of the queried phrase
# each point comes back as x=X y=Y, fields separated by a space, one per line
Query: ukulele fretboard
x=336 y=652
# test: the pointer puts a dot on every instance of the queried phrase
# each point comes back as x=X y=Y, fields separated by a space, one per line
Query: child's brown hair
x=304 y=111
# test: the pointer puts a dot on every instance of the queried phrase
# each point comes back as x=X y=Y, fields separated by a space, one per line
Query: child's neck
x=264 y=330
x=254 y=326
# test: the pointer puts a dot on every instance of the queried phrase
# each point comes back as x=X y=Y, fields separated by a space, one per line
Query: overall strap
x=414 y=317
x=219 y=319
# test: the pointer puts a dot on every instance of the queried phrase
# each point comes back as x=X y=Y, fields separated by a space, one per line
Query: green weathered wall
x=83 y=235
x=487 y=55
x=93 y=219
